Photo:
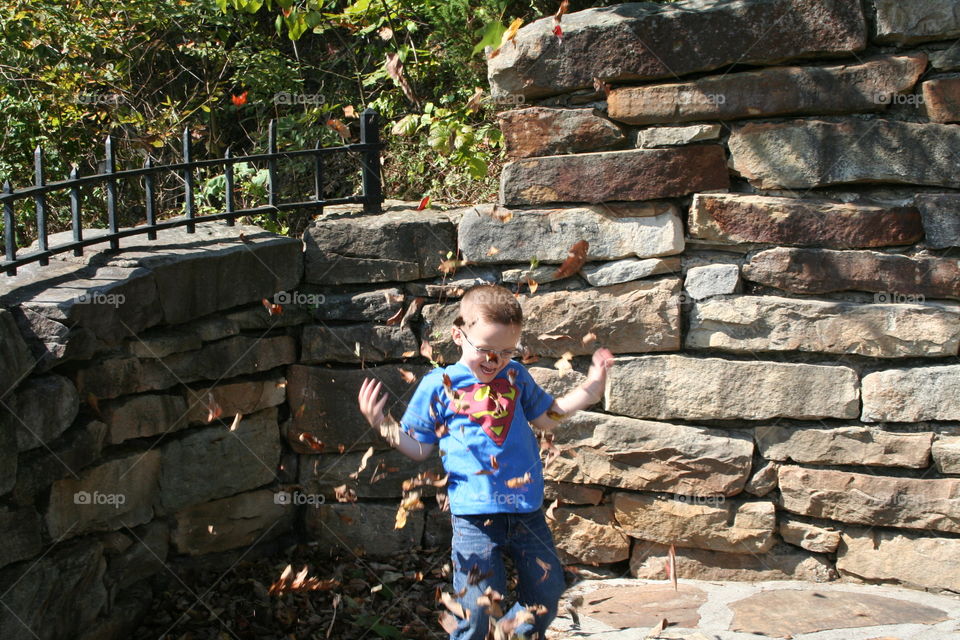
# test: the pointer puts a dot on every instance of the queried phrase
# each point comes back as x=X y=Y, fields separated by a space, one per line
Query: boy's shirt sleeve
x=417 y=418
x=534 y=400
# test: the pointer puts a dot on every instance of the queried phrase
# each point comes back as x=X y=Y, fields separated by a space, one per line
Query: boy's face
x=490 y=336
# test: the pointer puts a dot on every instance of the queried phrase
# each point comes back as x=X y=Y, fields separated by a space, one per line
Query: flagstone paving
x=625 y=609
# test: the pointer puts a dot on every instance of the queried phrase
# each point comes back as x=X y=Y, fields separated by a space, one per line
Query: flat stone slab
x=785 y=613
x=914 y=559
x=606 y=176
x=915 y=21
x=804 y=154
x=645 y=606
x=641 y=41
x=912 y=395
x=542 y=131
x=863 y=87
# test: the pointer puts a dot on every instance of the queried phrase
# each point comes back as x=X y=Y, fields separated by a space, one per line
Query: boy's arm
x=587 y=394
x=371 y=406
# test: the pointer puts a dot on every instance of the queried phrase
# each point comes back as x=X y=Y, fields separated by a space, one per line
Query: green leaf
x=491 y=35
x=477 y=168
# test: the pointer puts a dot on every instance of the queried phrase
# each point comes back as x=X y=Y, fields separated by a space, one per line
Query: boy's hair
x=491 y=302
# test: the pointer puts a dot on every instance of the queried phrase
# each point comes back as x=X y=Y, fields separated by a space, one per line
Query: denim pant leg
x=477 y=547
x=539 y=572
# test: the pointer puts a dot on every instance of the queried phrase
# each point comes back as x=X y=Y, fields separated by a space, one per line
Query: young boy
x=477 y=411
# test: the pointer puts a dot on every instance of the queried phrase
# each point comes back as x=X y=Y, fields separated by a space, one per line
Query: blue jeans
x=478 y=548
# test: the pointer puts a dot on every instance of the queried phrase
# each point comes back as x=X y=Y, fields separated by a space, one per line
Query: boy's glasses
x=490 y=353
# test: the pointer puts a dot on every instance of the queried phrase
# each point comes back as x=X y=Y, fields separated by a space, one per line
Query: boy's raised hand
x=597 y=374
x=371 y=406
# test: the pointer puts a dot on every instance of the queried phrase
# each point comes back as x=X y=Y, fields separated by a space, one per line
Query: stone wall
x=771 y=197
x=771 y=255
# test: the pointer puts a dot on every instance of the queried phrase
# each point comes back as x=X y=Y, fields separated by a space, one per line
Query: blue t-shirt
x=489 y=433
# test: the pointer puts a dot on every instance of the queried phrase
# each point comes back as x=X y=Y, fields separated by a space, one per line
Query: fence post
x=188 y=181
x=372 y=189
x=148 y=196
x=75 y=212
x=112 y=195
x=228 y=188
x=41 y=203
x=9 y=230
x=272 y=169
x=318 y=177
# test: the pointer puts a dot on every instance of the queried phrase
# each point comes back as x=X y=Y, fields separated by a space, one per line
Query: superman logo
x=489 y=405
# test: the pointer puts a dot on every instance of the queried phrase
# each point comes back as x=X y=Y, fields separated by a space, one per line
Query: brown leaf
x=502 y=214
x=576 y=256
x=94 y=404
x=395 y=69
x=450 y=266
x=533 y=284
x=484 y=472
x=448 y=621
x=213 y=408
x=473 y=104
x=426 y=350
x=454 y=606
x=344 y=493
x=549 y=512
x=564 y=6
x=588 y=338
x=342 y=130
x=272 y=309
x=528 y=357
x=408 y=376
x=408 y=354
x=553 y=336
x=395 y=318
x=493 y=462
x=412 y=310
x=516 y=483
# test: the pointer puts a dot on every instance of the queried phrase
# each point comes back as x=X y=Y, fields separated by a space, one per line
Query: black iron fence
x=372 y=194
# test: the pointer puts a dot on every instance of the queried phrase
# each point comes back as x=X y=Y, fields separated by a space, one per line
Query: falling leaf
x=448 y=622
x=299 y=413
x=311 y=441
x=443 y=501
x=454 y=606
x=588 y=338
x=672 y=566
x=576 y=256
x=543 y=564
x=528 y=357
x=547 y=446
x=563 y=364
x=401 y=519
x=386 y=33
x=490 y=600
x=512 y=376
x=511 y=32
x=450 y=266
x=655 y=632
x=475 y=576
x=349 y=111
x=408 y=354
x=564 y=7
x=601 y=87
x=558 y=31
x=288 y=583
x=441 y=429
x=516 y=483
x=448 y=388
x=412 y=310
x=426 y=350
x=494 y=463
x=492 y=251
x=408 y=376
x=501 y=214
x=344 y=493
x=210 y=529
x=213 y=408
x=272 y=309
x=473 y=104
x=396 y=318
x=553 y=336
x=341 y=448
x=338 y=126
x=484 y=472
x=549 y=512
x=236 y=422
x=395 y=69
x=239 y=100
x=533 y=285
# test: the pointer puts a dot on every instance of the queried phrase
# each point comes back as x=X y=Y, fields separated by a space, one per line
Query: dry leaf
x=576 y=256
x=408 y=376
x=533 y=284
x=494 y=463
x=236 y=422
x=501 y=214
x=344 y=493
x=563 y=364
x=395 y=69
x=454 y=606
x=553 y=336
x=386 y=33
x=408 y=354
x=473 y=104
x=272 y=309
x=588 y=338
x=564 y=7
x=492 y=251
x=449 y=267
x=213 y=408
x=342 y=130
x=349 y=111
x=426 y=350
x=516 y=483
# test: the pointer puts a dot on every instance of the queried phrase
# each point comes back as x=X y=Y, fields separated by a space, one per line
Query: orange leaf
x=493 y=462
x=564 y=7
x=239 y=100
x=588 y=338
x=484 y=472
x=424 y=203
x=450 y=266
x=396 y=318
x=426 y=350
x=213 y=409
x=533 y=284
x=311 y=441
x=408 y=376
x=272 y=309
x=576 y=256
x=349 y=111
x=338 y=126
x=516 y=483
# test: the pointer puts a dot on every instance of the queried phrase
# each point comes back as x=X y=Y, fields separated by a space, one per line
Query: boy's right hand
x=371 y=406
